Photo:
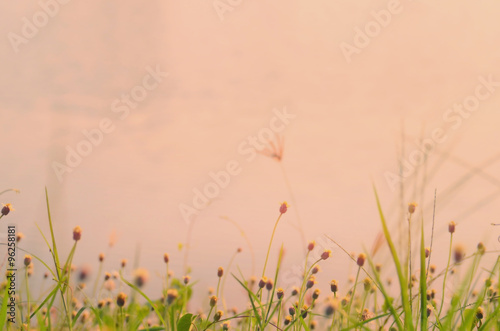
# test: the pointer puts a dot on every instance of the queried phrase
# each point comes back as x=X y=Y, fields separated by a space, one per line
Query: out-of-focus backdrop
x=143 y=119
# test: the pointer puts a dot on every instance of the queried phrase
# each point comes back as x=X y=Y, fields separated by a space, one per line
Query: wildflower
x=313 y=325
x=186 y=279
x=239 y=250
x=19 y=236
x=280 y=293
x=107 y=275
x=432 y=268
x=310 y=282
x=367 y=284
x=110 y=285
x=361 y=259
x=315 y=294
x=366 y=314
x=124 y=263
x=220 y=272
x=480 y=313
x=166 y=258
x=77 y=233
x=411 y=207
x=311 y=245
x=141 y=276
x=120 y=299
x=172 y=294
x=262 y=282
x=480 y=248
x=295 y=290
x=27 y=260
x=101 y=257
x=334 y=286
x=291 y=310
x=427 y=252
x=213 y=301
x=303 y=311
x=283 y=207
x=451 y=227
x=269 y=284
x=326 y=254
x=378 y=267
x=458 y=253
x=7 y=208
x=288 y=320
x=226 y=325
x=315 y=270
x=218 y=315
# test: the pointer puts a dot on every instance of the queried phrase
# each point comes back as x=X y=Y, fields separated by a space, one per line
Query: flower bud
x=77 y=233
x=120 y=299
x=361 y=259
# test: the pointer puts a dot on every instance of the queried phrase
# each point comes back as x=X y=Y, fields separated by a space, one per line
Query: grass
x=425 y=298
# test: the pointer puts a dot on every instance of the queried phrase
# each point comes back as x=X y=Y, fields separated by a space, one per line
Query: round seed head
x=6 y=209
x=315 y=294
x=411 y=207
x=77 y=233
x=27 y=260
x=213 y=301
x=172 y=294
x=284 y=207
x=120 y=299
x=280 y=293
x=334 y=286
x=311 y=245
x=218 y=315
x=451 y=227
x=326 y=254
x=361 y=259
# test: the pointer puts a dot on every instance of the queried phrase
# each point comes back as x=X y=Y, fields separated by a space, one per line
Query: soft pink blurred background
x=225 y=78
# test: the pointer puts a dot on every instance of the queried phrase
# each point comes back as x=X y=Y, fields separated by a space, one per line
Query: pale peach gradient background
x=225 y=79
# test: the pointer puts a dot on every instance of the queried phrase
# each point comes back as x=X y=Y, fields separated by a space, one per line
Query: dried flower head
x=213 y=301
x=326 y=254
x=315 y=269
x=262 y=282
x=291 y=310
x=218 y=315
x=166 y=258
x=411 y=207
x=27 y=260
x=458 y=253
x=269 y=284
x=479 y=313
x=310 y=245
x=288 y=320
x=451 y=227
x=107 y=275
x=172 y=294
x=284 y=207
x=310 y=282
x=186 y=279
x=141 y=276
x=19 y=236
x=226 y=325
x=334 y=286
x=120 y=299
x=295 y=290
x=6 y=209
x=315 y=294
x=77 y=233
x=101 y=257
x=220 y=272
x=280 y=293
x=361 y=259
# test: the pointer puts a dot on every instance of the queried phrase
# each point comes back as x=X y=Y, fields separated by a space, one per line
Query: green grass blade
x=423 y=282
x=402 y=280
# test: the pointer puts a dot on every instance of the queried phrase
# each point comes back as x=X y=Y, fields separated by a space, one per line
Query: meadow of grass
x=425 y=295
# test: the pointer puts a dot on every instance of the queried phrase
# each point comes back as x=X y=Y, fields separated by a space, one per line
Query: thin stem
x=352 y=298
x=445 y=275
x=270 y=243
